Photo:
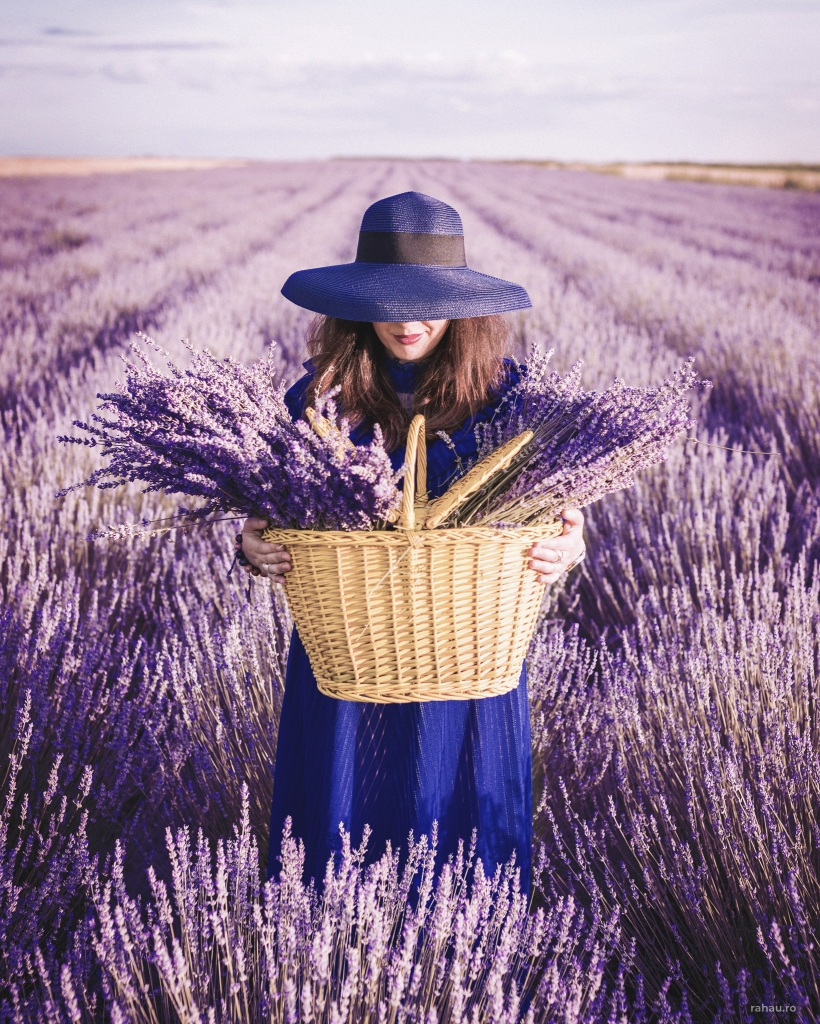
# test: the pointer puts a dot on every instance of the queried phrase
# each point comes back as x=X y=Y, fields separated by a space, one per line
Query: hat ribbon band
x=411 y=247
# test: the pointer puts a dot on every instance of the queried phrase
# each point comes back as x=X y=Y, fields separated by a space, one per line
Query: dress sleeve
x=296 y=396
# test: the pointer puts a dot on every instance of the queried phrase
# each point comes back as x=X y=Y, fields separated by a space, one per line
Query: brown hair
x=464 y=368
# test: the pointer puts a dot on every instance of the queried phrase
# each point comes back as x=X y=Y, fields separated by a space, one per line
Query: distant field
x=39 y=166
x=791 y=176
x=674 y=681
x=803 y=177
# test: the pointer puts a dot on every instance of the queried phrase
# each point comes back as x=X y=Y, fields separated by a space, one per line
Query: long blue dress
x=398 y=767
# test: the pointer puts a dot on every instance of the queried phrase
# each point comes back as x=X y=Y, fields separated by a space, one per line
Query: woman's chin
x=409 y=353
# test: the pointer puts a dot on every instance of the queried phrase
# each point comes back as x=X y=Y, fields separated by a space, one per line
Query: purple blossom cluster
x=221 y=431
x=584 y=444
x=672 y=682
x=403 y=938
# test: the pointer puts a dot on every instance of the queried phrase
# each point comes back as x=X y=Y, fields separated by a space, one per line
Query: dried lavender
x=584 y=444
x=221 y=431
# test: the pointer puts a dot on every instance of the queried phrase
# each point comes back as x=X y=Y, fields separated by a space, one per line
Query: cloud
x=72 y=32
x=156 y=47
x=700 y=79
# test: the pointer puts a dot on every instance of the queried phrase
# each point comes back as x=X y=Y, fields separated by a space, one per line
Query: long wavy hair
x=461 y=374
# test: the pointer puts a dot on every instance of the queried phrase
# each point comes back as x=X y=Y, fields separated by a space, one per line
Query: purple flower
x=584 y=444
x=221 y=431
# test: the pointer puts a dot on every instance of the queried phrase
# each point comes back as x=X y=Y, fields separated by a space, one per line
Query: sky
x=590 y=80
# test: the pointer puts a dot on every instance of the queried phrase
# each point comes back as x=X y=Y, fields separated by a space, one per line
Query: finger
x=253 y=543
x=549 y=564
x=276 y=558
x=275 y=570
x=573 y=520
x=258 y=552
x=548 y=575
x=549 y=552
x=255 y=523
x=565 y=542
x=272 y=571
x=554 y=568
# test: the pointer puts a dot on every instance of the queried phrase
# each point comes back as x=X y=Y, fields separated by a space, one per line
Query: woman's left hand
x=551 y=557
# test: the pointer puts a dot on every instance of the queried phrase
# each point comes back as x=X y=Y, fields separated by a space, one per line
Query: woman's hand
x=269 y=560
x=549 y=558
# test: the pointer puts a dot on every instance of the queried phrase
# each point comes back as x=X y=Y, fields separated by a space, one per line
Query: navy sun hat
x=410 y=265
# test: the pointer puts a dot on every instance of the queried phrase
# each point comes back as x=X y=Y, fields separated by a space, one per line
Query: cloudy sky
x=715 y=80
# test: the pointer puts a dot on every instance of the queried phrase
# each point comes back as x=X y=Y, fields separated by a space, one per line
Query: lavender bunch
x=221 y=431
x=584 y=445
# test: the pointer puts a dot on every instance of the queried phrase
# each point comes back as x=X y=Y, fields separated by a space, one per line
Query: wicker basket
x=416 y=614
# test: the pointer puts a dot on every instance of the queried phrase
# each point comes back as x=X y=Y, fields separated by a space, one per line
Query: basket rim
x=418 y=530
x=399 y=535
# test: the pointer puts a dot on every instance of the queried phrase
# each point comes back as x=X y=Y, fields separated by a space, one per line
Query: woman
x=407 y=328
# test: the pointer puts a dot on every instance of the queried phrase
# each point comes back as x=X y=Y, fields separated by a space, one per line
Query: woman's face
x=413 y=340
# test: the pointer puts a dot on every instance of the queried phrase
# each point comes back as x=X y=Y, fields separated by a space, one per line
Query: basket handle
x=323 y=427
x=438 y=510
x=415 y=473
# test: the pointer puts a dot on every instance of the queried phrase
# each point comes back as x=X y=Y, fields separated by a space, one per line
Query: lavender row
x=674 y=713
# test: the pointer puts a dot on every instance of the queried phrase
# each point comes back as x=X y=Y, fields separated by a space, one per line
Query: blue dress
x=398 y=767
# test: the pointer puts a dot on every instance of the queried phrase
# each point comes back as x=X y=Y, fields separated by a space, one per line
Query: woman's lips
x=407 y=339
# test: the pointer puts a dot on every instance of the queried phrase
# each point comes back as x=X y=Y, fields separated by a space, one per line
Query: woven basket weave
x=415 y=614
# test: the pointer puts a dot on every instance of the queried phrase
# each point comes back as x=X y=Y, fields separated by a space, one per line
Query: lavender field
x=674 y=678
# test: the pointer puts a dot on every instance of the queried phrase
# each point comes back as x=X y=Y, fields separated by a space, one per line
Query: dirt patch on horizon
x=39 y=166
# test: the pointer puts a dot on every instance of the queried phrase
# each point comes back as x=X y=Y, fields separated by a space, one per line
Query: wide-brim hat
x=410 y=265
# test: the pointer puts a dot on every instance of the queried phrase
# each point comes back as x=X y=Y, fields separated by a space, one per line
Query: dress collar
x=404 y=376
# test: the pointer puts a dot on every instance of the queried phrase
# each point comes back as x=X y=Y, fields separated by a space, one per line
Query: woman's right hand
x=269 y=560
